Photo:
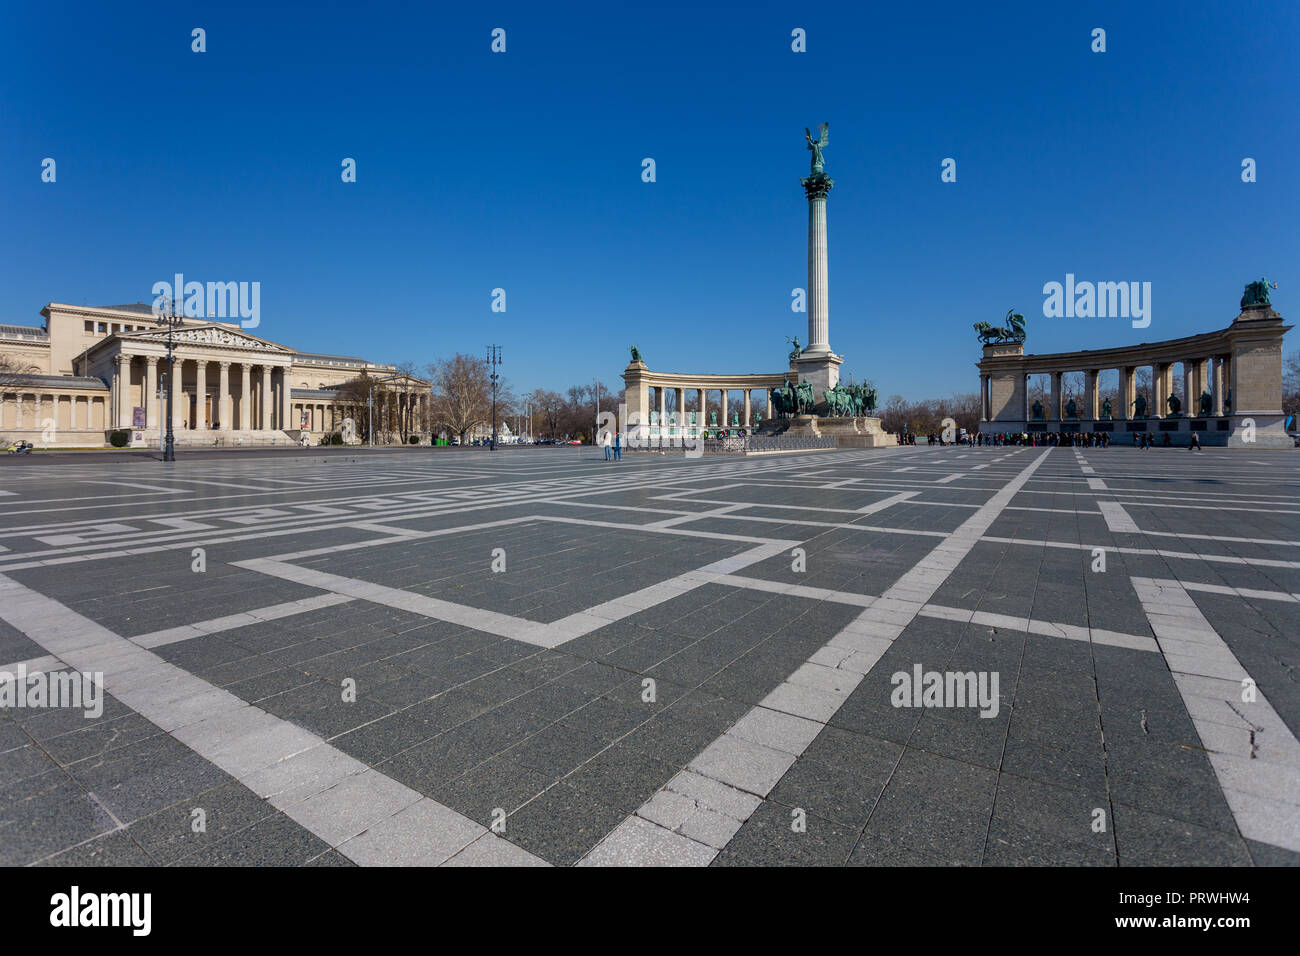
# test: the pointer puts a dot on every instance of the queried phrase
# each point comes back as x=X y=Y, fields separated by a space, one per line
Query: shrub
x=336 y=438
x=413 y=440
x=119 y=438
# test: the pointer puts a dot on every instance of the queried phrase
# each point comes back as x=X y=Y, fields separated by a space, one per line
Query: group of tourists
x=1046 y=439
x=613 y=446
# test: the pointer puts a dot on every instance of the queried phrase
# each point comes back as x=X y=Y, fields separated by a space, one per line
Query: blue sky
x=522 y=171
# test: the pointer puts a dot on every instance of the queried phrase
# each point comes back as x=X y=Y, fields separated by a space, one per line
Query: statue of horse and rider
x=792 y=399
x=850 y=401
x=1013 y=331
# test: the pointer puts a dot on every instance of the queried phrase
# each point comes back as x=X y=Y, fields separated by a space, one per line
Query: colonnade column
x=663 y=406
x=1055 y=412
x=1218 y=385
x=748 y=408
x=1127 y=388
x=1092 y=399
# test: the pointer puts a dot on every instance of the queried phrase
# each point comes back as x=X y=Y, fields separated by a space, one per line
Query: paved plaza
x=535 y=657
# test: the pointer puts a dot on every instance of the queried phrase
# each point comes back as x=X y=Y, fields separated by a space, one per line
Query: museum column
x=223 y=398
x=264 y=398
x=285 y=400
x=123 y=391
x=151 y=391
x=245 y=397
x=177 y=393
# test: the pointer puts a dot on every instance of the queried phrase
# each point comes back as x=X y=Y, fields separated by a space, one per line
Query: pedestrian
x=607 y=444
x=1195 y=444
x=618 y=446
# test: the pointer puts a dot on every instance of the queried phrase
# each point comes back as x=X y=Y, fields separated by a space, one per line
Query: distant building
x=91 y=370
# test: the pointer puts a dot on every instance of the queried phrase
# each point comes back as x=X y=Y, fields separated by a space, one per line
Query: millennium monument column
x=817 y=364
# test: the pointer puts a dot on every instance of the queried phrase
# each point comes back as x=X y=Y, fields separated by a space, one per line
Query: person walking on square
x=618 y=446
x=606 y=443
x=1195 y=444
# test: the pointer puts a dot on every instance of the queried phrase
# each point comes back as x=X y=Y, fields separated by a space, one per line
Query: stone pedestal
x=823 y=371
x=847 y=432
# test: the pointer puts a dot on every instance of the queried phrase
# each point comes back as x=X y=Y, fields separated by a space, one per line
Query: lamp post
x=173 y=321
x=370 y=413
x=493 y=360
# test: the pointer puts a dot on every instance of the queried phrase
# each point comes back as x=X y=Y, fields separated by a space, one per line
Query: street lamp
x=493 y=360
x=172 y=320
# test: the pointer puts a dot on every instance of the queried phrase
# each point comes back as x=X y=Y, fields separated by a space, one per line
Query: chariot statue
x=794 y=352
x=636 y=354
x=1013 y=331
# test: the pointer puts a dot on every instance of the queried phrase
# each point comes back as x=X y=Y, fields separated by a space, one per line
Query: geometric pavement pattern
x=678 y=662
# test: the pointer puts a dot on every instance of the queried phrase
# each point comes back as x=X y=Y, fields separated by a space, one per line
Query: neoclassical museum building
x=92 y=370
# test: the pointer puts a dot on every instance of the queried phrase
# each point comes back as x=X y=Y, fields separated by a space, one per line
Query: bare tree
x=462 y=393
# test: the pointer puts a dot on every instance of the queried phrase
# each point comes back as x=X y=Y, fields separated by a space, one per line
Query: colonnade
x=260 y=402
x=1212 y=374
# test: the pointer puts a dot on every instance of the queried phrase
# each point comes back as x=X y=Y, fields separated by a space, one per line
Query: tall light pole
x=172 y=320
x=493 y=360
x=595 y=438
x=370 y=412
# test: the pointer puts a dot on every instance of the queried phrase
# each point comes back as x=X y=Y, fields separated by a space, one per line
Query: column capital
x=152 y=360
x=225 y=363
x=816 y=187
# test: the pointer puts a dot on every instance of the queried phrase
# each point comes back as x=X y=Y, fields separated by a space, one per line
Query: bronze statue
x=1038 y=410
x=1106 y=408
x=1013 y=331
x=1256 y=293
x=1071 y=410
x=1175 y=404
x=636 y=354
x=1207 y=403
x=817 y=145
x=1140 y=406
x=794 y=352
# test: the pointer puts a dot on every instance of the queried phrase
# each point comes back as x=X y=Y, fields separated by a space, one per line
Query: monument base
x=847 y=432
x=822 y=371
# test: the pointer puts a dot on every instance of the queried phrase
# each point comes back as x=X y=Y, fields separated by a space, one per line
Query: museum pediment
x=214 y=335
